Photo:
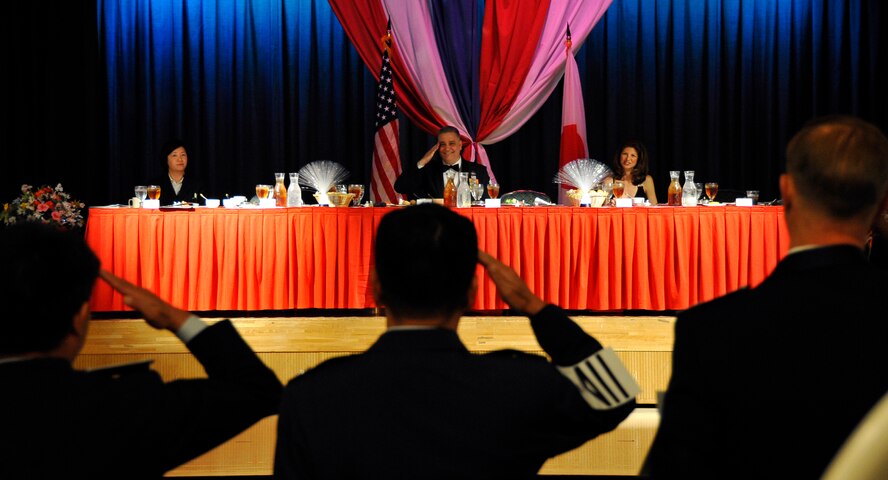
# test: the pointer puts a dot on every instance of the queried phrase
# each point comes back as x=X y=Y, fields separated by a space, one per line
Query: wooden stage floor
x=290 y=345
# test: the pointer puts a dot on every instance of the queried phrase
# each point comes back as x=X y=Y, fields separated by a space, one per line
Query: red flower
x=46 y=204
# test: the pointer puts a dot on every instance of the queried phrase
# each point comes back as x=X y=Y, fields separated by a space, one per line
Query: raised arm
x=158 y=313
x=601 y=378
x=511 y=288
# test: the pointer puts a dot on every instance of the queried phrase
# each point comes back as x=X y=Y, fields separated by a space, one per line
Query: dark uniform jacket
x=768 y=382
x=190 y=191
x=428 y=181
x=418 y=404
x=58 y=422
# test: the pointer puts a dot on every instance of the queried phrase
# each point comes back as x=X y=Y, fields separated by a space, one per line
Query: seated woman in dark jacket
x=174 y=185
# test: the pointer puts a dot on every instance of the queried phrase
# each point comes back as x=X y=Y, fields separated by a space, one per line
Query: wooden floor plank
x=291 y=345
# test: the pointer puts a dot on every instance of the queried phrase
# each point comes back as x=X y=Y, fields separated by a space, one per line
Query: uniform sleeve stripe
x=611 y=375
x=603 y=380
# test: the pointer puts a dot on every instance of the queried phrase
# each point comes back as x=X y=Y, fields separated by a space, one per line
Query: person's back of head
x=46 y=278
x=839 y=165
x=425 y=263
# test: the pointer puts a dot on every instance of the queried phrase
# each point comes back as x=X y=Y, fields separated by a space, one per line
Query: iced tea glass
x=711 y=190
x=493 y=189
x=618 y=187
x=358 y=190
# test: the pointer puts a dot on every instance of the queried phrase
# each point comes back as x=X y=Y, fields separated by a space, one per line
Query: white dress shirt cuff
x=192 y=326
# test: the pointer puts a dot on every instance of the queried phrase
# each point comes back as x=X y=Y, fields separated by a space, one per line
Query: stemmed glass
x=711 y=190
x=141 y=192
x=477 y=192
x=358 y=190
x=617 y=188
x=492 y=189
x=262 y=191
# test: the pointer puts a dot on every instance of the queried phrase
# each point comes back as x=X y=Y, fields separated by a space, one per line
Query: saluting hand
x=158 y=314
x=510 y=286
x=428 y=156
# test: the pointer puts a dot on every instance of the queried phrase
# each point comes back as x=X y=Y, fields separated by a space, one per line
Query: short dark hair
x=454 y=130
x=426 y=256
x=44 y=282
x=449 y=129
x=840 y=164
x=640 y=172
x=167 y=148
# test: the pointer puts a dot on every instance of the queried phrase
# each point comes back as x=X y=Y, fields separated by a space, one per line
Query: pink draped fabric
x=532 y=58
x=412 y=23
x=548 y=62
x=573 y=118
x=508 y=43
x=365 y=23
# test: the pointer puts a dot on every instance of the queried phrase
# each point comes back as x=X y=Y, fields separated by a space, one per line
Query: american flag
x=386 y=153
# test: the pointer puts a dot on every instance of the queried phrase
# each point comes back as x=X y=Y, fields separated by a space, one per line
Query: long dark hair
x=640 y=172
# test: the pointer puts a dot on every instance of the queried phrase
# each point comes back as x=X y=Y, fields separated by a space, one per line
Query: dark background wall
x=713 y=86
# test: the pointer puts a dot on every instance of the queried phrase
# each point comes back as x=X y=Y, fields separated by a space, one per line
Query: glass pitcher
x=294 y=192
x=689 y=190
x=280 y=191
x=673 y=195
x=463 y=191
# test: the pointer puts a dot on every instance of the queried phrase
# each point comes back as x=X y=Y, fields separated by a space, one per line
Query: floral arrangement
x=46 y=205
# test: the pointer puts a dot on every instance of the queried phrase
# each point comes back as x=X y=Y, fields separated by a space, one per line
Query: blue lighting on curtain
x=258 y=86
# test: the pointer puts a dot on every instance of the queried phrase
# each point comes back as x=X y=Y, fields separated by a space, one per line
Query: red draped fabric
x=598 y=259
x=365 y=23
x=511 y=33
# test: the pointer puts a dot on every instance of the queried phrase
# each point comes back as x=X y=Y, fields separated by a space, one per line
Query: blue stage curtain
x=259 y=86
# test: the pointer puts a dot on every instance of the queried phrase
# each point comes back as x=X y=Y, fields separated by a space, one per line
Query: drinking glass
x=358 y=190
x=617 y=188
x=711 y=190
x=153 y=192
x=141 y=192
x=477 y=191
x=754 y=195
x=492 y=189
x=262 y=191
x=700 y=192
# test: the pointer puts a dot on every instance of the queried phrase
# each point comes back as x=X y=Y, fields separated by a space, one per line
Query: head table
x=596 y=259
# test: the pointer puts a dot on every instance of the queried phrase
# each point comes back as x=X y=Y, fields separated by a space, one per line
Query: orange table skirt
x=601 y=259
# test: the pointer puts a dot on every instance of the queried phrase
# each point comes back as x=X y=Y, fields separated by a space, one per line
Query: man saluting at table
x=427 y=177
